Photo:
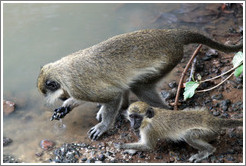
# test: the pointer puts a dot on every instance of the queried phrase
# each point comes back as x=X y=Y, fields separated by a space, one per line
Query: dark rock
x=172 y=84
x=142 y=156
x=217 y=97
x=207 y=101
x=240 y=142
x=240 y=86
x=8 y=107
x=216 y=113
x=84 y=159
x=211 y=53
x=6 y=141
x=159 y=157
x=239 y=79
x=224 y=104
x=101 y=157
x=92 y=160
x=171 y=159
x=39 y=154
x=67 y=153
x=9 y=159
x=231 y=151
x=47 y=144
x=83 y=145
x=230 y=158
x=225 y=115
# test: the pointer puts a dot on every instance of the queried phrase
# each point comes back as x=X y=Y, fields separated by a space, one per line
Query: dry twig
x=183 y=74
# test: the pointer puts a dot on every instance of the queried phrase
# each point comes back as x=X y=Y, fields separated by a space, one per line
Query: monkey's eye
x=52 y=85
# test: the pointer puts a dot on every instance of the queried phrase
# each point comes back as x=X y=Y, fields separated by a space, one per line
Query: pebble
x=101 y=157
x=211 y=53
x=172 y=84
x=67 y=153
x=237 y=106
x=224 y=104
x=9 y=159
x=217 y=97
x=47 y=144
x=216 y=113
x=6 y=141
x=92 y=160
x=8 y=107
x=84 y=159
x=39 y=154
x=159 y=157
x=171 y=159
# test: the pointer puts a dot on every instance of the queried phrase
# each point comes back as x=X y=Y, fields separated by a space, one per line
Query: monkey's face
x=137 y=112
x=49 y=85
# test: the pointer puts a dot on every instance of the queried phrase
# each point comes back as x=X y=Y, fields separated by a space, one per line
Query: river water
x=35 y=34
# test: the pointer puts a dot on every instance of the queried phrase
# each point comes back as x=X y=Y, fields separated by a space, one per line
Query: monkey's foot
x=60 y=113
x=199 y=157
x=96 y=131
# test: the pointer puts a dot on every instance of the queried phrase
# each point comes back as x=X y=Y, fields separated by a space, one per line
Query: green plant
x=191 y=86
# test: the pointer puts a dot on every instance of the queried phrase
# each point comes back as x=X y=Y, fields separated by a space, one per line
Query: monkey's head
x=49 y=84
x=137 y=112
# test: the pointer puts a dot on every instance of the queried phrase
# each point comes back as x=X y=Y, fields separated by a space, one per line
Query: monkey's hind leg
x=108 y=112
x=148 y=94
x=124 y=105
x=195 y=139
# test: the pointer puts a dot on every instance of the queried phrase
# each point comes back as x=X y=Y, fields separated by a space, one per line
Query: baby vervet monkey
x=106 y=72
x=194 y=126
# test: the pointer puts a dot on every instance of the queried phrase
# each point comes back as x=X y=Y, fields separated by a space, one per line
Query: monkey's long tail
x=193 y=37
x=229 y=123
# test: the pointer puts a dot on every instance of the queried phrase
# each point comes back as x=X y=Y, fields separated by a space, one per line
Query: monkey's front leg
x=108 y=113
x=132 y=148
x=66 y=107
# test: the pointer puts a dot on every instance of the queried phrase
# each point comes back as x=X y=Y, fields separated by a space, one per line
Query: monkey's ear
x=150 y=112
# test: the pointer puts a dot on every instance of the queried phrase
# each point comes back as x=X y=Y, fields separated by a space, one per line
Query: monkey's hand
x=118 y=145
x=60 y=113
x=128 y=151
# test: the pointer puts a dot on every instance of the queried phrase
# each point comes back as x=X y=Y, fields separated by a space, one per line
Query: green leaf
x=238 y=71
x=237 y=59
x=190 y=88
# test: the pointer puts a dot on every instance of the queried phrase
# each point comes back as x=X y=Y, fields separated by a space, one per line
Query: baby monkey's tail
x=229 y=123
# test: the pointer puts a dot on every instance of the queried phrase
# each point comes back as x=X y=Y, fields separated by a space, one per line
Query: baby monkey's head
x=137 y=112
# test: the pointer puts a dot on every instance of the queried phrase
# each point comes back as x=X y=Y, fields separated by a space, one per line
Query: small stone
x=211 y=53
x=39 y=154
x=172 y=84
x=225 y=115
x=171 y=159
x=90 y=160
x=6 y=141
x=224 y=104
x=9 y=159
x=8 y=107
x=47 y=144
x=230 y=158
x=240 y=86
x=158 y=157
x=101 y=157
x=217 y=97
x=216 y=113
x=84 y=159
